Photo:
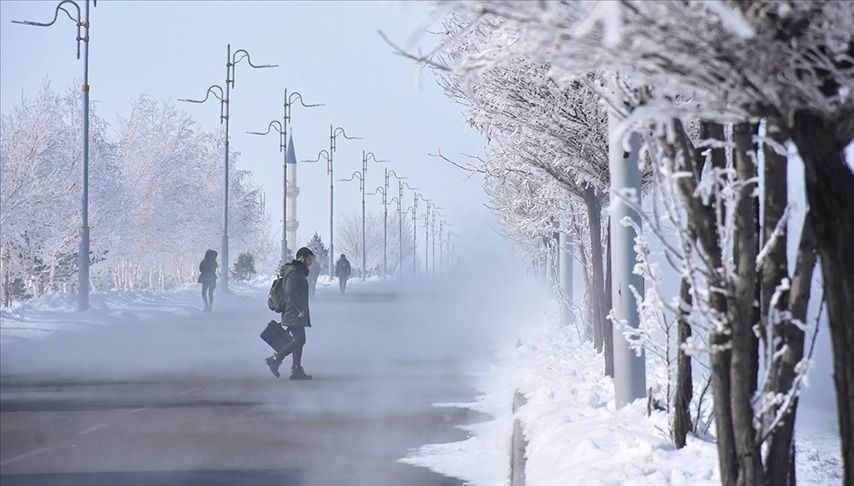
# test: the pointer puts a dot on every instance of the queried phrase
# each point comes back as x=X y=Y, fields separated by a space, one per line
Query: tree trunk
x=829 y=184
x=701 y=221
x=780 y=459
x=684 y=383
x=585 y=264
x=785 y=335
x=741 y=313
x=594 y=215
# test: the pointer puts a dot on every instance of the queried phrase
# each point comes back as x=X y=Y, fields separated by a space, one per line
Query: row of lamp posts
x=80 y=16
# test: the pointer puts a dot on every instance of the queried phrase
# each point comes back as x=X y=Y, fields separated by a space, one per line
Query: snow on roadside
x=574 y=433
x=39 y=318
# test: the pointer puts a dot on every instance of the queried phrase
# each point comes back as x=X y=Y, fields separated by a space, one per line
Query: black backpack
x=276 y=297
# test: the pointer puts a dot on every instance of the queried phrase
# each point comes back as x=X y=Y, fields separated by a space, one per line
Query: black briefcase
x=276 y=336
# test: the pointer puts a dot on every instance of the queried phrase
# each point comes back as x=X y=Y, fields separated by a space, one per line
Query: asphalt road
x=171 y=395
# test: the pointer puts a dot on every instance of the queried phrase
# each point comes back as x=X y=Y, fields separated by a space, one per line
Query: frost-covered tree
x=40 y=175
x=173 y=174
x=538 y=125
x=155 y=196
x=728 y=65
x=321 y=253
x=349 y=234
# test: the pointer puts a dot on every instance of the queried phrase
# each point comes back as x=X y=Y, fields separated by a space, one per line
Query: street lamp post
x=388 y=174
x=281 y=128
x=231 y=61
x=448 y=258
x=361 y=177
x=329 y=156
x=426 y=224
x=415 y=234
x=443 y=263
x=400 y=215
x=433 y=233
x=82 y=22
x=382 y=190
x=426 y=216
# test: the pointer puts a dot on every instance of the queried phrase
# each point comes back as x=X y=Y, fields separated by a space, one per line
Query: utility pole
x=82 y=21
x=629 y=368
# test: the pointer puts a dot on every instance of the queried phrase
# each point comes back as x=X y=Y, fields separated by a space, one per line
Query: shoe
x=274 y=364
x=299 y=374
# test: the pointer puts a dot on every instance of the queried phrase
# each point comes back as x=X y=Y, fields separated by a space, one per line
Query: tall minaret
x=293 y=191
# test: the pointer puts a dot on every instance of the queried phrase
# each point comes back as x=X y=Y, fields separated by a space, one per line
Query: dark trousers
x=295 y=347
x=342 y=284
x=207 y=294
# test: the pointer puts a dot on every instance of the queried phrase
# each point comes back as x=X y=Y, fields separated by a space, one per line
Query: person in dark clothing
x=342 y=271
x=296 y=314
x=207 y=277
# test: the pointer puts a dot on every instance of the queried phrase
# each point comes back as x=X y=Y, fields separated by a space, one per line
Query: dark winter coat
x=342 y=268
x=296 y=295
x=207 y=272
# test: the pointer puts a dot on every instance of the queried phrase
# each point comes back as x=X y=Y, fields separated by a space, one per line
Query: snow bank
x=574 y=433
x=53 y=312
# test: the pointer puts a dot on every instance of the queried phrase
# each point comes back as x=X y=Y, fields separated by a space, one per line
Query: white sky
x=328 y=51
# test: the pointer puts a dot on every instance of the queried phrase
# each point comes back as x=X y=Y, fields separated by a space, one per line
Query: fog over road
x=171 y=395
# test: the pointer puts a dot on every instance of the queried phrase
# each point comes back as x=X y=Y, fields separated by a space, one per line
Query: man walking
x=342 y=271
x=296 y=315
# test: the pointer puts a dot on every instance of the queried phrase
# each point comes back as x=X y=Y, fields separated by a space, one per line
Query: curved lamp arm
x=392 y=173
x=212 y=90
x=296 y=95
x=273 y=124
x=208 y=93
x=244 y=54
x=60 y=6
x=372 y=156
x=378 y=190
x=324 y=154
x=353 y=177
x=340 y=131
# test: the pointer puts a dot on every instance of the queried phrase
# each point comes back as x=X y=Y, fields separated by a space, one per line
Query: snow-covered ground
x=41 y=317
x=574 y=433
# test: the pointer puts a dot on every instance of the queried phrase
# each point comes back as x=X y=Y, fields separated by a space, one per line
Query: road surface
x=168 y=394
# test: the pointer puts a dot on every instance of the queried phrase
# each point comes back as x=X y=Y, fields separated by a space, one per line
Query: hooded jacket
x=296 y=295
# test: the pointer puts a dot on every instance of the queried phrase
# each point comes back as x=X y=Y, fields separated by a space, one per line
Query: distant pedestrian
x=342 y=271
x=296 y=315
x=313 y=274
x=207 y=277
